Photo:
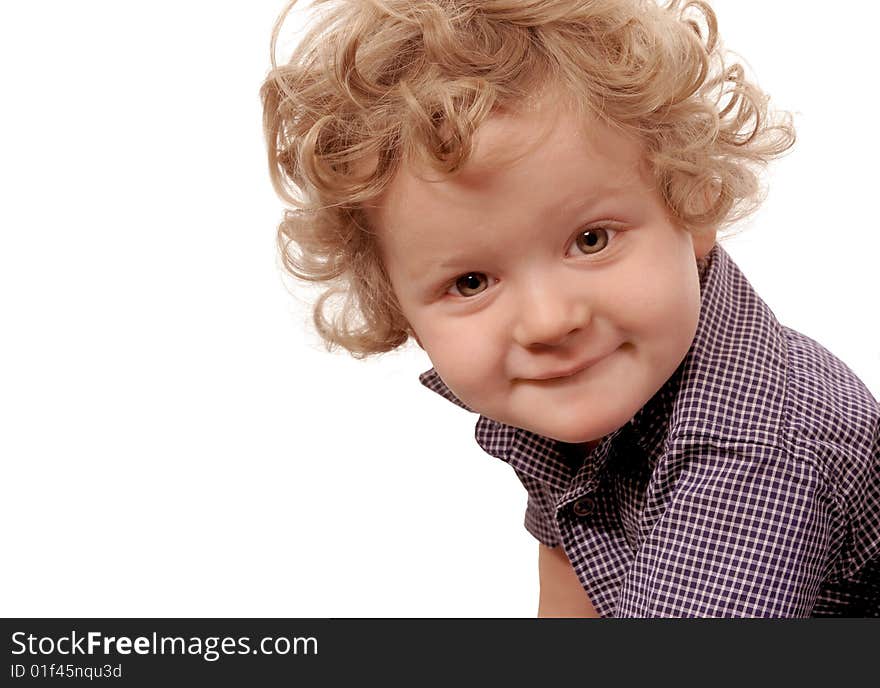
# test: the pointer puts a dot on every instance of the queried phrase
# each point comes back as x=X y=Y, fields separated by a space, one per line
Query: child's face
x=551 y=293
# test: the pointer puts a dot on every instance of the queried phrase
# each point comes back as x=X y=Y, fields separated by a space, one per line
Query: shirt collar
x=738 y=361
x=722 y=362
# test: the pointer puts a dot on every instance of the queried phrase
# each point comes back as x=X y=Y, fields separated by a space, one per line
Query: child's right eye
x=470 y=284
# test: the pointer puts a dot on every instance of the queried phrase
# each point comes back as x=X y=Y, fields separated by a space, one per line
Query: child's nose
x=547 y=316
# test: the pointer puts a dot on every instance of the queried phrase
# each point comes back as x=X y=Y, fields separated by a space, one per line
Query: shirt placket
x=592 y=534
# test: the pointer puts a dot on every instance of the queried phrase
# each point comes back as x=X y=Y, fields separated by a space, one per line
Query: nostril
x=546 y=318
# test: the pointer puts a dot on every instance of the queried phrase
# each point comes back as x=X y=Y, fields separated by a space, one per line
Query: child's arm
x=561 y=592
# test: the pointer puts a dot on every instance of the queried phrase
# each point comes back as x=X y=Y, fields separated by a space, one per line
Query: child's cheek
x=470 y=363
x=666 y=312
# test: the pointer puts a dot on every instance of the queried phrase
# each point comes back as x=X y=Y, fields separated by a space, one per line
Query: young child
x=532 y=190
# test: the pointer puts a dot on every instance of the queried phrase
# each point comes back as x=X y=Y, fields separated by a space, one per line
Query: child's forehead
x=552 y=157
x=510 y=137
x=506 y=138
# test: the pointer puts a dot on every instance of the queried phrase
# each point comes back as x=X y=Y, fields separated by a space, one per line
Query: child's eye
x=592 y=240
x=470 y=284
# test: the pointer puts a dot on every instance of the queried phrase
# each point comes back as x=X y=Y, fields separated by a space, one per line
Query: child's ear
x=703 y=242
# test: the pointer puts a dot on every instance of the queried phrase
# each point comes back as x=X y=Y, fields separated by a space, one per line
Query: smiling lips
x=567 y=372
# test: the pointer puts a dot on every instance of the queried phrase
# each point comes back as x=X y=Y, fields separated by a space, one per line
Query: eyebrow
x=455 y=263
x=581 y=202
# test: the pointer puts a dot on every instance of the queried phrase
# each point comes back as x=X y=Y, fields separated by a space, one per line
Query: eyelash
x=451 y=286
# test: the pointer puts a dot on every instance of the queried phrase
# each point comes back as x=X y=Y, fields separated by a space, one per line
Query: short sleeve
x=746 y=532
x=540 y=517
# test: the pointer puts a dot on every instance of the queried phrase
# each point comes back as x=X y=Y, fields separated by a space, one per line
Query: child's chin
x=568 y=438
x=573 y=430
x=567 y=435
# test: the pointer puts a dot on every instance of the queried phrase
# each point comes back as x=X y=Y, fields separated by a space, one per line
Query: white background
x=176 y=442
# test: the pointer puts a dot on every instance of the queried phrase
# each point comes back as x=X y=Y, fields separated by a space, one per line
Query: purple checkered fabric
x=748 y=486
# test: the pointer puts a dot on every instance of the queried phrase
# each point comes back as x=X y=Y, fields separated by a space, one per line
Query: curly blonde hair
x=409 y=81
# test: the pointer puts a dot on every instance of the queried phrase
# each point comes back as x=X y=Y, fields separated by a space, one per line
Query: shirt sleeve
x=540 y=517
x=746 y=532
x=862 y=545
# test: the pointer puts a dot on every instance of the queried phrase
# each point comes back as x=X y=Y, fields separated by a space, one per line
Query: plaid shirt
x=748 y=486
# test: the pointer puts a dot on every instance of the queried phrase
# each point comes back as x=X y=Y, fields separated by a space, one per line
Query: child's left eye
x=592 y=240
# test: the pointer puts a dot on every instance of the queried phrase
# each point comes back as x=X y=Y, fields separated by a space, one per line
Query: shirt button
x=584 y=507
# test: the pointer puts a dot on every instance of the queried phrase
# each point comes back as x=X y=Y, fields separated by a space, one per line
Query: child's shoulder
x=826 y=400
x=774 y=402
x=833 y=425
x=749 y=379
x=832 y=422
